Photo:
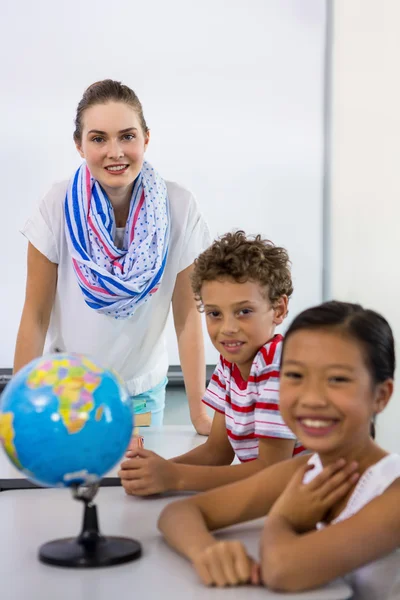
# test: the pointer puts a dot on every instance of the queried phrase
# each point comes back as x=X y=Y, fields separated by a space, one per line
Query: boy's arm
x=216 y=451
x=199 y=478
x=145 y=473
x=148 y=473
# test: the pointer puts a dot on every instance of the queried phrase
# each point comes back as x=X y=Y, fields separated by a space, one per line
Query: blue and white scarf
x=114 y=281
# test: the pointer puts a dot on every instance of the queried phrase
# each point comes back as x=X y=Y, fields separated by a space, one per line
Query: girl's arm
x=293 y=561
x=189 y=333
x=39 y=298
x=186 y=523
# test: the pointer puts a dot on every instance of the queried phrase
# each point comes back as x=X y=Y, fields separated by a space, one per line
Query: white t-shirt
x=380 y=579
x=134 y=347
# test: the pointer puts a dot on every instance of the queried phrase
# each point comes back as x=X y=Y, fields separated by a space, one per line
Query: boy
x=243 y=286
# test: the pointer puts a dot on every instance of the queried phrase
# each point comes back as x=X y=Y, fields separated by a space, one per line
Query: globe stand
x=90 y=548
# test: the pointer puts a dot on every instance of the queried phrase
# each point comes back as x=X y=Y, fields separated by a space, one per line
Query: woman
x=108 y=253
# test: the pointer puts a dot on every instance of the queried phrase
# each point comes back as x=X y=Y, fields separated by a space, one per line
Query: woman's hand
x=146 y=473
x=303 y=505
x=226 y=564
x=202 y=423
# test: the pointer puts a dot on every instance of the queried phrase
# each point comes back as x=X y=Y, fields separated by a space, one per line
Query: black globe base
x=90 y=549
x=69 y=552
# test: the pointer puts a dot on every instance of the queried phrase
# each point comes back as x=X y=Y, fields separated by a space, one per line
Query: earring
x=372 y=428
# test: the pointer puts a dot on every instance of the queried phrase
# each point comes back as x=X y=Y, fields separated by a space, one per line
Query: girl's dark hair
x=365 y=326
x=103 y=92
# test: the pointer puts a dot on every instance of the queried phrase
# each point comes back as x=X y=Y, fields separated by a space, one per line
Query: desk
x=30 y=517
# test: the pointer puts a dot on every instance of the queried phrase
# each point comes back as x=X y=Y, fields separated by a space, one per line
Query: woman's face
x=113 y=144
x=327 y=396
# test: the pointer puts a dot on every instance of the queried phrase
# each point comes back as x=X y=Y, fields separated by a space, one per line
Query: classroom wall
x=364 y=172
x=233 y=93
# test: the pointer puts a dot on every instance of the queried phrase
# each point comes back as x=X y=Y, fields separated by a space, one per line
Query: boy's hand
x=226 y=564
x=137 y=441
x=147 y=473
x=304 y=505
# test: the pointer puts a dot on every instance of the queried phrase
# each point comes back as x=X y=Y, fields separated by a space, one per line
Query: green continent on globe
x=73 y=381
x=7 y=437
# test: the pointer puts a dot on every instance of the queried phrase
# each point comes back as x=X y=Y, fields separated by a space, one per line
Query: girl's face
x=113 y=144
x=327 y=395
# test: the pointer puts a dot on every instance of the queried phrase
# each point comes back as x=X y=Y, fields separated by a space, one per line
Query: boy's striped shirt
x=251 y=407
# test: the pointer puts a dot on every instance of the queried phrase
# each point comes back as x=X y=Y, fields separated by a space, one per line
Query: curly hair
x=242 y=259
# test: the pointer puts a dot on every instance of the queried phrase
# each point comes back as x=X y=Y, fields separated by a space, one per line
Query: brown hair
x=242 y=259
x=103 y=92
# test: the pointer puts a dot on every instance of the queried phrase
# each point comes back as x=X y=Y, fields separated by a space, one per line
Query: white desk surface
x=31 y=517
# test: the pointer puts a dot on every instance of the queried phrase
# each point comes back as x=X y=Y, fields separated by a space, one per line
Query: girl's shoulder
x=373 y=483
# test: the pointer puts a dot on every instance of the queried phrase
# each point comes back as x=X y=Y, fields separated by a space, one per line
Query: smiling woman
x=109 y=251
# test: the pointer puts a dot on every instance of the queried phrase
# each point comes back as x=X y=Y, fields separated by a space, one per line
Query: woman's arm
x=293 y=561
x=39 y=298
x=189 y=333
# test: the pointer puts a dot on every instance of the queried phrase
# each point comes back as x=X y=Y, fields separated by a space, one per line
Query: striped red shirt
x=251 y=407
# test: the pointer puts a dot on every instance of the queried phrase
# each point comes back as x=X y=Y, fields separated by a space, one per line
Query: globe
x=65 y=420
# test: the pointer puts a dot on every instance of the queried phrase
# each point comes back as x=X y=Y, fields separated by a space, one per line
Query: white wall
x=365 y=174
x=232 y=91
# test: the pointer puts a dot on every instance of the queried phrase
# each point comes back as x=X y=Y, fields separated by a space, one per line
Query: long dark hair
x=365 y=326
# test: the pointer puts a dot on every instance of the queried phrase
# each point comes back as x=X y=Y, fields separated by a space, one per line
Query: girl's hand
x=304 y=505
x=226 y=564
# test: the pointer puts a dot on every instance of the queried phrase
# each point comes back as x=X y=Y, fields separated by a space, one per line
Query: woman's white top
x=379 y=580
x=134 y=347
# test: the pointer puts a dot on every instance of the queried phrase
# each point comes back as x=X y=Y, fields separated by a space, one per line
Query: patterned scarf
x=113 y=281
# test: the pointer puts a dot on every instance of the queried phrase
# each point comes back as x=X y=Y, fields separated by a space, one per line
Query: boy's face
x=240 y=319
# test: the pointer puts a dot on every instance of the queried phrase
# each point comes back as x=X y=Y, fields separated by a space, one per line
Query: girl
x=108 y=253
x=330 y=515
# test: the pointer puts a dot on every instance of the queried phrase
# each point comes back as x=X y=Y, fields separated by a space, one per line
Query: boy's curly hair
x=242 y=259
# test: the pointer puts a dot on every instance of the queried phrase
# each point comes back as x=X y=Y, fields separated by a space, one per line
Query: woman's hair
x=242 y=259
x=103 y=92
x=367 y=327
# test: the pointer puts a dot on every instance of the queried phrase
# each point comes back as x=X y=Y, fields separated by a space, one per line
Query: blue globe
x=65 y=420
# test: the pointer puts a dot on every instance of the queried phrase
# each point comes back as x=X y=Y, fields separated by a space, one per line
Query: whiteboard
x=233 y=93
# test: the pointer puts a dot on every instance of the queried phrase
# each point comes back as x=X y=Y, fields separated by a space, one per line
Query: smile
x=232 y=347
x=317 y=427
x=316 y=422
x=117 y=168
